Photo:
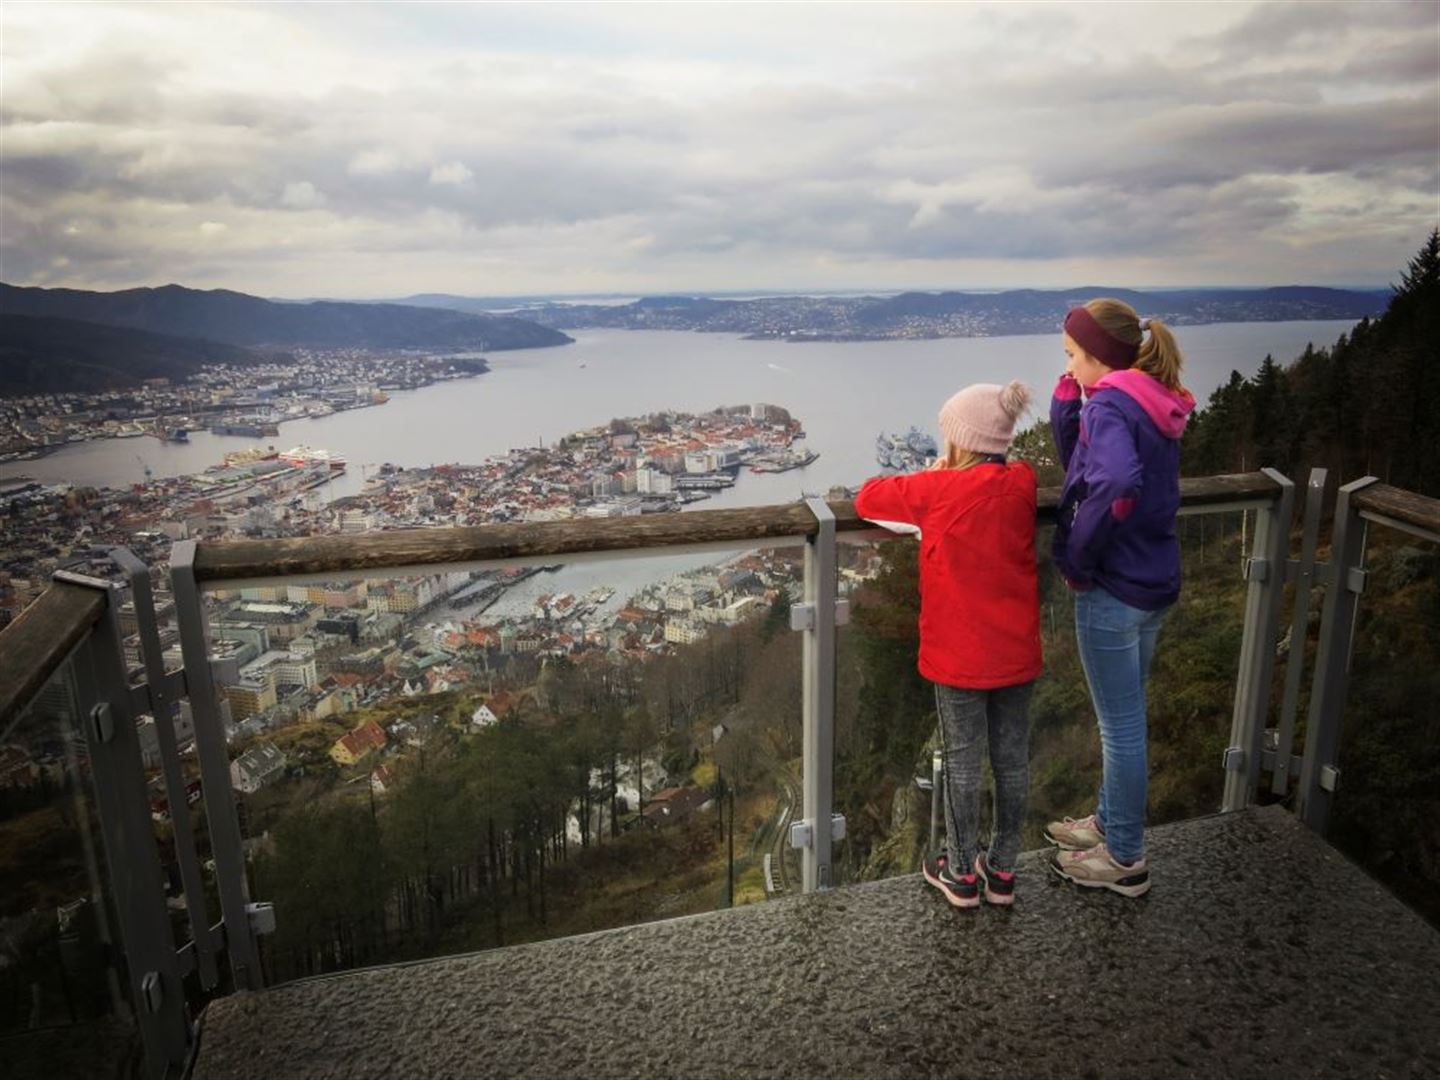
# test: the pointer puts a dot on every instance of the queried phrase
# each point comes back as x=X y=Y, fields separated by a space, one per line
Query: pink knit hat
x=982 y=417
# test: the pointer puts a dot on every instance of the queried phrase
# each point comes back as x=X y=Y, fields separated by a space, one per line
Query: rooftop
x=1260 y=952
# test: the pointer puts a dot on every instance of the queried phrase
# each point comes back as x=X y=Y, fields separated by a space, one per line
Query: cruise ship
x=306 y=455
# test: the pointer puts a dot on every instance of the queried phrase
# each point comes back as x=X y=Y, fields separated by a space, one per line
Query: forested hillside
x=46 y=356
x=239 y=319
x=1367 y=405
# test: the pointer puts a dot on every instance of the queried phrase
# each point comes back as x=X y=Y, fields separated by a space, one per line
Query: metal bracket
x=1356 y=579
x=802 y=834
x=72 y=578
x=142 y=696
x=262 y=917
x=1321 y=573
x=102 y=722
x=802 y=616
x=152 y=991
x=1234 y=759
x=1329 y=778
x=1257 y=569
x=1267 y=762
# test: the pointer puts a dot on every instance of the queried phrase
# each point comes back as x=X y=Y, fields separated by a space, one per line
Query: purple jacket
x=1115 y=526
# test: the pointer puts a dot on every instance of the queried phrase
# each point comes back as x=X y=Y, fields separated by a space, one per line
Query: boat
x=306 y=455
x=248 y=457
x=782 y=461
x=248 y=429
x=905 y=453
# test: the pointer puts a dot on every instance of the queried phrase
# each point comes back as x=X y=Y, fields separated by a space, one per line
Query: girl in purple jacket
x=1118 y=413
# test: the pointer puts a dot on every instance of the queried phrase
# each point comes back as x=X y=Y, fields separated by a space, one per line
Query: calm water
x=844 y=393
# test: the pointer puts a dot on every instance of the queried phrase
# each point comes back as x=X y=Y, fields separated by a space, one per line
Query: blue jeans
x=1116 y=644
x=969 y=719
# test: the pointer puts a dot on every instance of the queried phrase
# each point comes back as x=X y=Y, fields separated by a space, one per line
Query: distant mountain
x=238 y=319
x=43 y=355
x=953 y=314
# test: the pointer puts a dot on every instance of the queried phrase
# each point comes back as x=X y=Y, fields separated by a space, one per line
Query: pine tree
x=1423 y=272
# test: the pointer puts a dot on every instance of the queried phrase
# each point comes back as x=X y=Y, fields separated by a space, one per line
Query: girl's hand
x=1067 y=387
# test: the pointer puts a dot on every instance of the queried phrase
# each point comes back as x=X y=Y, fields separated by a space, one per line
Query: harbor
x=909 y=452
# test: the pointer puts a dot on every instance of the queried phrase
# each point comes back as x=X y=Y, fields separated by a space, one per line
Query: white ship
x=905 y=453
x=306 y=455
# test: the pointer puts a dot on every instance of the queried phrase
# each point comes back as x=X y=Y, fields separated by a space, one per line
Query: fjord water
x=844 y=393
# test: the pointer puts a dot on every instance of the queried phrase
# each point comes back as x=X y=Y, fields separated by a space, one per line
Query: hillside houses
x=355 y=745
x=257 y=767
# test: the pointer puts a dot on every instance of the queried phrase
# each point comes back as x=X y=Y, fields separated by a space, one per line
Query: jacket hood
x=1168 y=410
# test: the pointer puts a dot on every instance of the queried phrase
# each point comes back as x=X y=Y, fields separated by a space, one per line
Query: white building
x=683 y=632
x=653 y=482
x=285 y=668
x=257 y=767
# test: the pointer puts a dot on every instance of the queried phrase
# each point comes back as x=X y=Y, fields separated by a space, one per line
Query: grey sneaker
x=1075 y=834
x=1097 y=869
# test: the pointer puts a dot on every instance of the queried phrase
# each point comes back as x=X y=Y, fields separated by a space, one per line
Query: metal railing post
x=162 y=709
x=1318 y=772
x=1304 y=576
x=210 y=748
x=817 y=617
x=1265 y=571
x=123 y=808
x=937 y=798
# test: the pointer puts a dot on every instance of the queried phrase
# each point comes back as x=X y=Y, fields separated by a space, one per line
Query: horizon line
x=725 y=293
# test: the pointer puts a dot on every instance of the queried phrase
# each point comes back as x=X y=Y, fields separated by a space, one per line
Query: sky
x=382 y=150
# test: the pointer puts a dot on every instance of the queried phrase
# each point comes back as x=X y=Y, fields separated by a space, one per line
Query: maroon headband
x=1096 y=340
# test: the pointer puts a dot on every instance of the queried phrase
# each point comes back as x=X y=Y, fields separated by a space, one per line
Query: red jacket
x=979 y=590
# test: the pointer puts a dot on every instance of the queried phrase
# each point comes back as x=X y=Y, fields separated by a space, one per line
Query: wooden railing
x=237 y=560
x=79 y=614
x=1399 y=509
x=37 y=643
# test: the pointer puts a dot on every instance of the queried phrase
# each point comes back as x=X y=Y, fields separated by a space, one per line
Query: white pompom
x=1014 y=397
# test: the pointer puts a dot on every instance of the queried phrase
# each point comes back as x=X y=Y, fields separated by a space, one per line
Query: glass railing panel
x=1190 y=690
x=884 y=714
x=62 y=988
x=886 y=720
x=1384 y=809
x=432 y=764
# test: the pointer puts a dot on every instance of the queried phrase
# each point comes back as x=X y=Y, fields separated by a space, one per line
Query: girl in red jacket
x=979 y=625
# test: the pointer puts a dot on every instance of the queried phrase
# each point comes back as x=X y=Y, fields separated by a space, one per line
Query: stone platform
x=1260 y=952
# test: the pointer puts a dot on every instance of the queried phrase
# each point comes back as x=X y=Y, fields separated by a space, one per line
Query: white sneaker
x=1097 y=869
x=1075 y=834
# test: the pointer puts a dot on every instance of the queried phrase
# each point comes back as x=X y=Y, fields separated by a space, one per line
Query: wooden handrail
x=1419 y=512
x=37 y=643
x=238 y=560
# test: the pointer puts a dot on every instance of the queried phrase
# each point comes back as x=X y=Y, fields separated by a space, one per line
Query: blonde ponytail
x=957 y=457
x=1160 y=356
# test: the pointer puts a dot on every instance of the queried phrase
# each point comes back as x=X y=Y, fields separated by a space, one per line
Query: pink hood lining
x=1168 y=409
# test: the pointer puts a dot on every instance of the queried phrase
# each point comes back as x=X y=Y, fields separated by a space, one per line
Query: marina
x=912 y=451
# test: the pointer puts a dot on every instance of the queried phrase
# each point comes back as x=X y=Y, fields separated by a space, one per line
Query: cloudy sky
x=380 y=150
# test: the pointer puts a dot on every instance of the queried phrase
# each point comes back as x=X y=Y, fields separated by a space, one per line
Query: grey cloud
x=1179 y=152
x=1274 y=29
